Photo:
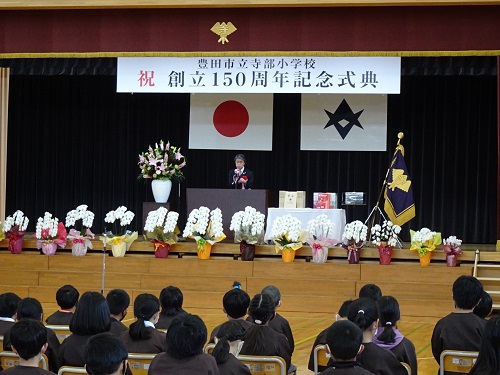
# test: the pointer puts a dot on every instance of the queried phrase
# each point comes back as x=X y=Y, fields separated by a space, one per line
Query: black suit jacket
x=233 y=179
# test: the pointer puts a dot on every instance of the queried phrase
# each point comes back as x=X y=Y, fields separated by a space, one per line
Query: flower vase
x=319 y=253
x=119 y=249
x=385 y=253
x=287 y=255
x=425 y=259
x=161 y=190
x=353 y=253
x=247 y=251
x=49 y=248
x=451 y=260
x=161 y=249
x=78 y=247
x=15 y=243
x=204 y=251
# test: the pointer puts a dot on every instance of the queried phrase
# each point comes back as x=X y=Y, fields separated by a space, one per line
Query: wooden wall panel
x=312 y=303
x=212 y=267
x=21 y=291
x=412 y=273
x=311 y=287
x=23 y=278
x=93 y=263
x=300 y=270
x=23 y=262
x=192 y=283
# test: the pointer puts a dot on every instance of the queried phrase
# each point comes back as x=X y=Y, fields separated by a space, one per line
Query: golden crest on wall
x=223 y=29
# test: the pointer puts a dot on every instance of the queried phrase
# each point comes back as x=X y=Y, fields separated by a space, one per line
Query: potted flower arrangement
x=205 y=227
x=385 y=237
x=320 y=237
x=50 y=233
x=80 y=238
x=248 y=229
x=451 y=247
x=353 y=239
x=424 y=241
x=14 y=228
x=160 y=226
x=162 y=164
x=287 y=235
x=120 y=238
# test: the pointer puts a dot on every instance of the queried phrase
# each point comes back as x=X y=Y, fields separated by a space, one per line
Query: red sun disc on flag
x=231 y=118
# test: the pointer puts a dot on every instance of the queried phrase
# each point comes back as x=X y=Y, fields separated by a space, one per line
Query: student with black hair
x=461 y=329
x=91 y=317
x=388 y=335
x=30 y=308
x=321 y=338
x=186 y=337
x=142 y=337
x=229 y=341
x=363 y=312
x=29 y=341
x=370 y=291
x=67 y=298
x=118 y=302
x=488 y=360
x=235 y=305
x=485 y=306
x=171 y=300
x=261 y=339
x=8 y=310
x=105 y=354
x=343 y=343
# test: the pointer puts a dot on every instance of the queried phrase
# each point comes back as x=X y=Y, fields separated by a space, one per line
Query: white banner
x=231 y=122
x=262 y=74
x=344 y=122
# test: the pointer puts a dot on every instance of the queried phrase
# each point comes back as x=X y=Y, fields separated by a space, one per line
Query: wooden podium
x=230 y=201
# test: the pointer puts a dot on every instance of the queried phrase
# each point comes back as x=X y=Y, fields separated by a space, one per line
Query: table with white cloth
x=306 y=214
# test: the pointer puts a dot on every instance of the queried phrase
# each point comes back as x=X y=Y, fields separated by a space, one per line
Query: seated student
x=388 y=335
x=118 y=302
x=186 y=337
x=485 y=306
x=321 y=338
x=462 y=329
x=344 y=342
x=29 y=341
x=171 y=300
x=8 y=309
x=229 y=341
x=488 y=360
x=363 y=312
x=235 y=305
x=260 y=339
x=30 y=308
x=67 y=298
x=370 y=291
x=105 y=354
x=142 y=337
x=91 y=317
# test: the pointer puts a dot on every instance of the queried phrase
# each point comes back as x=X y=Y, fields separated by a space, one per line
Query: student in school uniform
x=171 y=299
x=118 y=302
x=388 y=335
x=363 y=312
x=29 y=341
x=229 y=342
x=8 y=310
x=142 y=337
x=105 y=354
x=344 y=342
x=235 y=305
x=186 y=337
x=488 y=360
x=67 y=298
x=260 y=339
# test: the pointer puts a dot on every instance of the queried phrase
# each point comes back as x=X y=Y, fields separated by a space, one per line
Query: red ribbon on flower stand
x=385 y=253
x=353 y=254
x=452 y=254
x=161 y=248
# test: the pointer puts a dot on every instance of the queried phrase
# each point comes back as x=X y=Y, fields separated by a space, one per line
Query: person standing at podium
x=240 y=177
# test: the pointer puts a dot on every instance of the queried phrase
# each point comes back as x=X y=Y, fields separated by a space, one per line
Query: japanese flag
x=333 y=122
x=231 y=122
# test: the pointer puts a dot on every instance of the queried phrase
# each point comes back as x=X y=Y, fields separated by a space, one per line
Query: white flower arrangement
x=80 y=213
x=387 y=232
x=424 y=240
x=121 y=214
x=355 y=234
x=321 y=229
x=17 y=219
x=452 y=241
x=50 y=230
x=120 y=239
x=204 y=226
x=80 y=239
x=287 y=233
x=248 y=226
x=161 y=225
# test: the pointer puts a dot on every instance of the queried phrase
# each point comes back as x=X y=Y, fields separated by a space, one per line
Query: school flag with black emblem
x=398 y=194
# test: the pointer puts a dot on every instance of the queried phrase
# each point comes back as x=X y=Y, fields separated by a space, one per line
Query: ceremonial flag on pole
x=398 y=194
